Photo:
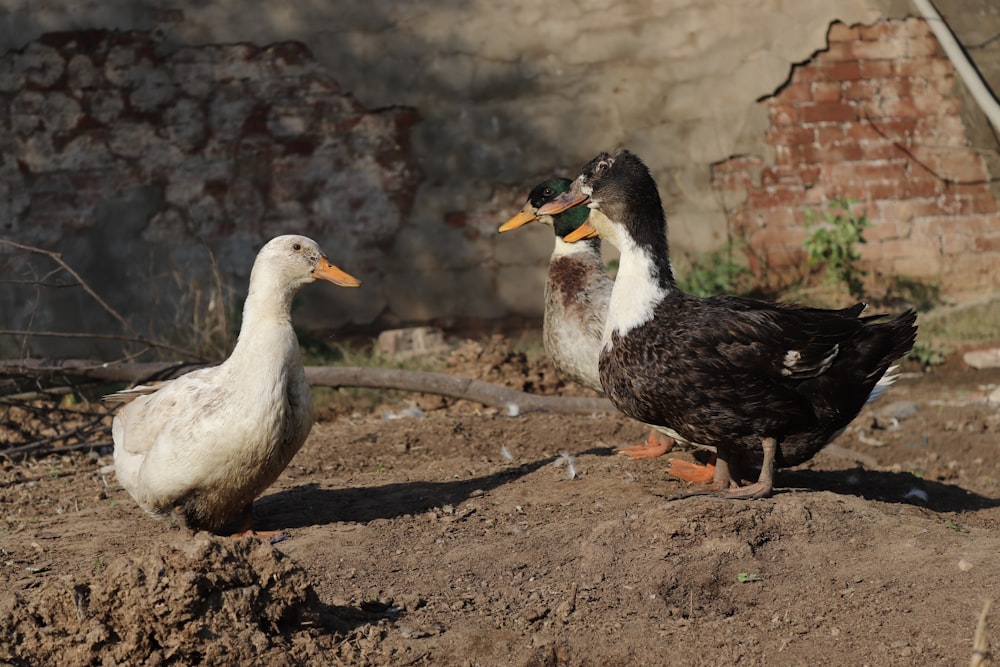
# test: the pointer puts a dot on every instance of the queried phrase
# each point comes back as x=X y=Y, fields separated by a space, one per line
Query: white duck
x=207 y=443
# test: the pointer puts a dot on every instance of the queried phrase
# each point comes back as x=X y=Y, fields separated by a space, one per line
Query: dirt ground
x=434 y=532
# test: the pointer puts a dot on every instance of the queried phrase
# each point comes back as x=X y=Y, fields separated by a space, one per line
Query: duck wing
x=165 y=411
x=785 y=342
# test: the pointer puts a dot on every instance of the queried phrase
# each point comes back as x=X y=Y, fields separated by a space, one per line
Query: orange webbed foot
x=689 y=471
x=656 y=445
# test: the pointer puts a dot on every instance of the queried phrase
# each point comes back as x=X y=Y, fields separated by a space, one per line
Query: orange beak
x=326 y=271
x=524 y=216
x=584 y=231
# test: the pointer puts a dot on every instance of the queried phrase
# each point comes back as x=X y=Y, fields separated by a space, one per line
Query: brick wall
x=876 y=117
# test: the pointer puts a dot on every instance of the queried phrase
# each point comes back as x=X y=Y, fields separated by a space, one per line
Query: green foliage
x=715 y=273
x=832 y=244
x=928 y=355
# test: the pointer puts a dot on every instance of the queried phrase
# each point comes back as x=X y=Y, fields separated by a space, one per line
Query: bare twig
x=57 y=258
x=981 y=644
x=441 y=384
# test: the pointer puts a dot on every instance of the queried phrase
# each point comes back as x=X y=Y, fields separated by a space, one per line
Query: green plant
x=832 y=244
x=714 y=273
x=928 y=355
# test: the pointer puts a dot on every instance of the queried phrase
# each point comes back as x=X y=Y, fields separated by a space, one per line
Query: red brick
x=807 y=73
x=809 y=175
x=917 y=267
x=795 y=92
x=820 y=192
x=830 y=133
x=920 y=47
x=911 y=247
x=883 y=190
x=879 y=150
x=783 y=114
x=776 y=195
x=861 y=131
x=826 y=91
x=841 y=32
x=863 y=89
x=880 y=170
x=917 y=27
x=877 y=69
x=842 y=152
x=898 y=108
x=972 y=204
x=827 y=112
x=907 y=210
x=882 y=29
x=897 y=129
x=849 y=70
x=954 y=225
x=882 y=228
x=887 y=48
x=838 y=51
x=965 y=167
x=989 y=243
x=923 y=68
x=791 y=135
x=895 y=87
x=921 y=188
x=962 y=189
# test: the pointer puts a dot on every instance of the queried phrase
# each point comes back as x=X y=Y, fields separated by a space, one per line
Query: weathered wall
x=877 y=118
x=142 y=163
x=508 y=93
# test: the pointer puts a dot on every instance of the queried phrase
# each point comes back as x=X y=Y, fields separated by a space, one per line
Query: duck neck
x=267 y=319
x=589 y=249
x=644 y=279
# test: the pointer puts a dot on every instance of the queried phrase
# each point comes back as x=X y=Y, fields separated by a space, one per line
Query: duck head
x=294 y=261
x=565 y=222
x=620 y=186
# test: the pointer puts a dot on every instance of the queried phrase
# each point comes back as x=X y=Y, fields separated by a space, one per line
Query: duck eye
x=297 y=246
x=602 y=167
x=548 y=192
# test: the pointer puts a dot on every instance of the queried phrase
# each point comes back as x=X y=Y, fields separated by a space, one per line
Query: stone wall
x=158 y=172
x=877 y=117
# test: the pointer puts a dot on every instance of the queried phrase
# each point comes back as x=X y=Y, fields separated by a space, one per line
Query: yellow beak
x=524 y=216
x=584 y=231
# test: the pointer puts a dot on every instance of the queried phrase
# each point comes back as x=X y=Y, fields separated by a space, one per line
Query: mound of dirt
x=203 y=599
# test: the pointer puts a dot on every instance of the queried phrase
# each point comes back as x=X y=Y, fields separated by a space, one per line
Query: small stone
x=983 y=358
x=964 y=565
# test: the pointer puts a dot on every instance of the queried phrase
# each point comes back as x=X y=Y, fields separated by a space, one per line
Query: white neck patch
x=563 y=249
x=636 y=292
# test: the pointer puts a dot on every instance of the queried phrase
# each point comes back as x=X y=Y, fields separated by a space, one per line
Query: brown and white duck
x=760 y=381
x=577 y=294
x=204 y=445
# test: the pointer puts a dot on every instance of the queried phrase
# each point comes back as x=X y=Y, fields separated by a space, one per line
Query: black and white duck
x=577 y=294
x=760 y=381
x=202 y=446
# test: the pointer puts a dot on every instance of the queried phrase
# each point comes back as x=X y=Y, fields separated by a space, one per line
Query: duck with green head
x=577 y=294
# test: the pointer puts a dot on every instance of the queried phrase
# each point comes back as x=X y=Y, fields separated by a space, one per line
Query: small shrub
x=832 y=244
x=715 y=273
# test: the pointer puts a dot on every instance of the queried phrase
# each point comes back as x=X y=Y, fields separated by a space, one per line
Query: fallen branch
x=441 y=384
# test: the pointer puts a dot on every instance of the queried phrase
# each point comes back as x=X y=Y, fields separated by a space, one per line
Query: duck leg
x=723 y=478
x=765 y=482
x=656 y=444
x=244 y=529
